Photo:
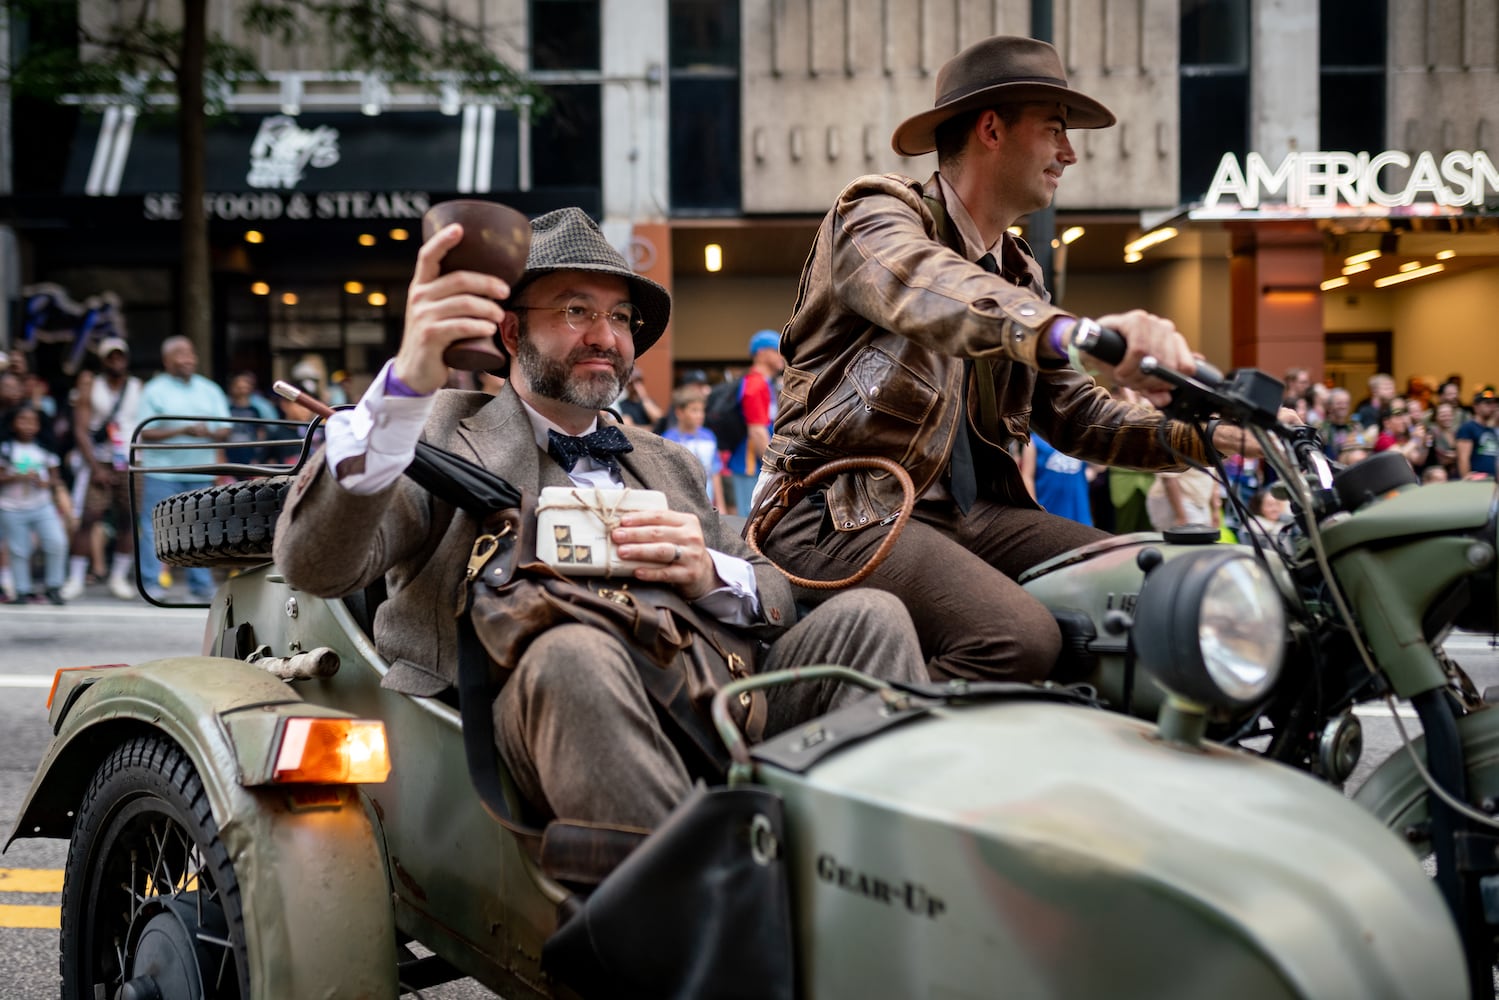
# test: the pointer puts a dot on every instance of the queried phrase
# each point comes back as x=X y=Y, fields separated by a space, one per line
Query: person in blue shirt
x=1478 y=440
x=178 y=391
x=689 y=432
x=1059 y=482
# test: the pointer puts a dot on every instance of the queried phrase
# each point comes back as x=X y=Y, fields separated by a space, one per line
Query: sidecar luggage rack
x=303 y=442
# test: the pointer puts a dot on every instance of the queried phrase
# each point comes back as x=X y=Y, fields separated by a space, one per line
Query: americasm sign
x=1320 y=185
x=269 y=205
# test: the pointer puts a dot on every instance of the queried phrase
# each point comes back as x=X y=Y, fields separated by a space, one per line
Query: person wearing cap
x=923 y=334
x=635 y=404
x=1478 y=439
x=105 y=409
x=574 y=723
x=757 y=401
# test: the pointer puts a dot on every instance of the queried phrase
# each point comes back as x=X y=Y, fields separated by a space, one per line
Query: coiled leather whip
x=790 y=492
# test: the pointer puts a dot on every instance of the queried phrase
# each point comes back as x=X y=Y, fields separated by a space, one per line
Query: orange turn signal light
x=332 y=751
x=57 y=676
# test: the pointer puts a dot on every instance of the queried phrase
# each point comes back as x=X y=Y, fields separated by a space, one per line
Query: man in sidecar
x=575 y=723
x=924 y=335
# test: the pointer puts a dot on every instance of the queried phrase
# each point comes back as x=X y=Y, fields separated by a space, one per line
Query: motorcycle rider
x=573 y=721
x=923 y=334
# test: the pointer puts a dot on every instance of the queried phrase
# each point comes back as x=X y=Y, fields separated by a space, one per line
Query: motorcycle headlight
x=1210 y=626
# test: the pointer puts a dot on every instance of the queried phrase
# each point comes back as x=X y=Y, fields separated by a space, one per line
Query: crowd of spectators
x=64 y=506
x=65 y=503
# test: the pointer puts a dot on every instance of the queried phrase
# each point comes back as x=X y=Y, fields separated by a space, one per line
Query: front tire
x=150 y=902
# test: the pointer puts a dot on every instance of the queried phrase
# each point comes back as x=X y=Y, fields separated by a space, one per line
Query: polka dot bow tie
x=601 y=446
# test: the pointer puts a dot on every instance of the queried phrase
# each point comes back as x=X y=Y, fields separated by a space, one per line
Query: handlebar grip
x=1108 y=346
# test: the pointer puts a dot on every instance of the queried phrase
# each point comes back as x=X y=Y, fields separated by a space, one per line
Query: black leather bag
x=701 y=909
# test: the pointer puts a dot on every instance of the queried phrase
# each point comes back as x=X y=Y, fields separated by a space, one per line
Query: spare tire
x=224 y=525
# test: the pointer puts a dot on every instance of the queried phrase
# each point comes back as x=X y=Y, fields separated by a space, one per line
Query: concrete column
x=1284 y=78
x=636 y=155
x=1275 y=272
x=635 y=151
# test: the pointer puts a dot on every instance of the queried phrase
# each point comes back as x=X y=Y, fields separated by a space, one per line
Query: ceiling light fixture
x=254 y=236
x=713 y=257
x=1357 y=268
x=353 y=287
x=1332 y=283
x=1359 y=258
x=399 y=235
x=1071 y=233
x=1420 y=272
x=1446 y=254
x=260 y=288
x=376 y=299
x=1410 y=265
x=1133 y=257
x=289 y=298
x=1153 y=238
x=366 y=239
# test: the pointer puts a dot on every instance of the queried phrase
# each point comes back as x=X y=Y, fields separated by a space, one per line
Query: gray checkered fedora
x=568 y=240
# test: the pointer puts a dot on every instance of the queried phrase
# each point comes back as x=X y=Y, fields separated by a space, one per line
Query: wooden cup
x=496 y=239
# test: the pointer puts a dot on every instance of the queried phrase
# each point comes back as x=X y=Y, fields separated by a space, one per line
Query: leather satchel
x=684 y=658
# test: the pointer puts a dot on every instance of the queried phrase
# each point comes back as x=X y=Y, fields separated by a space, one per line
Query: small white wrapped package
x=573 y=527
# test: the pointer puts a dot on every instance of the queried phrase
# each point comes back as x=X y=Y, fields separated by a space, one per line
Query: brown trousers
x=578 y=733
x=955 y=573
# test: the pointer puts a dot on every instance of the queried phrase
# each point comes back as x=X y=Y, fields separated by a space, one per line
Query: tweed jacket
x=331 y=542
x=886 y=314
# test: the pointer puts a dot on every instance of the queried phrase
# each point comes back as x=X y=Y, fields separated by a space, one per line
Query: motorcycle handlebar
x=1108 y=346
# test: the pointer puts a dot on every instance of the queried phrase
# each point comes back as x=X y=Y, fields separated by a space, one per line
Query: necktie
x=960 y=471
x=601 y=446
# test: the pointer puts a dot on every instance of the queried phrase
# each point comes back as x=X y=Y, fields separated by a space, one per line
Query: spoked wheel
x=150 y=904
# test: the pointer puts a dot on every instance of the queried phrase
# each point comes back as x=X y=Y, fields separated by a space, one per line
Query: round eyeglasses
x=579 y=314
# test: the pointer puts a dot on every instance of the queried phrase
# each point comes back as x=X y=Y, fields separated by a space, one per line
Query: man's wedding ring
x=676 y=553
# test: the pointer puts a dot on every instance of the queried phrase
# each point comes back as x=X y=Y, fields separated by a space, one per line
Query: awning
x=474 y=152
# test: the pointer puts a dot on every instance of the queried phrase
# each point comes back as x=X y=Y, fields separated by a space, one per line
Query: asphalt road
x=34 y=641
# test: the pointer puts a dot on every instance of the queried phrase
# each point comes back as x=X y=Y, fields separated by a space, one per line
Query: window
x=565 y=34
x=1352 y=43
x=566 y=142
x=704 y=103
x=1214 y=89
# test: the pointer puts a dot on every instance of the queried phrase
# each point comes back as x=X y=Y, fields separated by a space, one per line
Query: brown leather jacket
x=885 y=315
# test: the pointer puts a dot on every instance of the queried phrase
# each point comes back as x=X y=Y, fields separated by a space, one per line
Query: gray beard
x=552 y=379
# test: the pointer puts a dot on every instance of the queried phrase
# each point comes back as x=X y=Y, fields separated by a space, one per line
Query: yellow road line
x=30 y=880
x=43 y=917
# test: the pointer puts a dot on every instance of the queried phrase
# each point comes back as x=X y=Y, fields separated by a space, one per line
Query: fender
x=1396 y=794
x=307 y=857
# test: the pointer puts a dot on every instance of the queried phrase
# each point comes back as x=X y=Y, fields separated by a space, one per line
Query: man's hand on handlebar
x=1146 y=335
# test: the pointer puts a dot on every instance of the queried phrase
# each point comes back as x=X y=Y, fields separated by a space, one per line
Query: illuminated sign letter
x=1370 y=181
x=1229 y=180
x=1262 y=182
x=1484 y=173
x=1425 y=178
x=1457 y=171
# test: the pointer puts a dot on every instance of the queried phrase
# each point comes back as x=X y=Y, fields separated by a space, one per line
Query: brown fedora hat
x=1000 y=70
x=568 y=240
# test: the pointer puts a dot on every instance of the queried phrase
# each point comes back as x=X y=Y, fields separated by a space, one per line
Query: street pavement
x=97 y=628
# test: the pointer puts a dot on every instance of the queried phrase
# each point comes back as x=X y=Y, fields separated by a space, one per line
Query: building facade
x=1261 y=145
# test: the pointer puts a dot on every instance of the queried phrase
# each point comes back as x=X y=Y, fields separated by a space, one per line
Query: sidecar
x=236 y=834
